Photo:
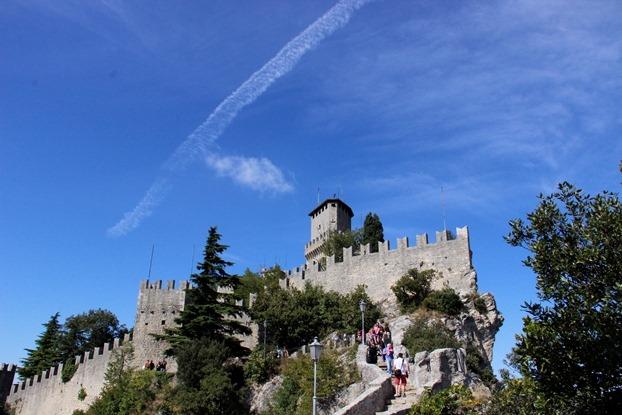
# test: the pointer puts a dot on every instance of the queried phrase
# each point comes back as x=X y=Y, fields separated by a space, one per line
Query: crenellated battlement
x=170 y=285
x=384 y=249
x=449 y=254
x=97 y=357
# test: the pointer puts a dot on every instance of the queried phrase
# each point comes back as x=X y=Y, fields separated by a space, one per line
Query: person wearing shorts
x=400 y=373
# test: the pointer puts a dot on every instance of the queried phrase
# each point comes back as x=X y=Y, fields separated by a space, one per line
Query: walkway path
x=399 y=405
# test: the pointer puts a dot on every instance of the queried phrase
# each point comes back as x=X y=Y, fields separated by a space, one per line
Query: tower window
x=163 y=322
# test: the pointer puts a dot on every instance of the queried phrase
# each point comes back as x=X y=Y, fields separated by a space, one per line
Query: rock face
x=476 y=328
x=442 y=368
x=263 y=395
x=471 y=326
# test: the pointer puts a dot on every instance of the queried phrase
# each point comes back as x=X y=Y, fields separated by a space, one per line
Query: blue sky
x=494 y=102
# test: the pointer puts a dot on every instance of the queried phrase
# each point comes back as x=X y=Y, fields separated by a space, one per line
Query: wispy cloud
x=527 y=83
x=150 y=200
x=256 y=173
x=201 y=140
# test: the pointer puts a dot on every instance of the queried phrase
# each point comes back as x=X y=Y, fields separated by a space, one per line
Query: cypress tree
x=47 y=352
x=373 y=231
x=211 y=309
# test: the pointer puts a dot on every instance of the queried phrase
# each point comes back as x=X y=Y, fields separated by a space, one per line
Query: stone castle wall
x=449 y=255
x=157 y=308
x=46 y=393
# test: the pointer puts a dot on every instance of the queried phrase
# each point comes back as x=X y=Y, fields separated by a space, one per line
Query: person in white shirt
x=400 y=371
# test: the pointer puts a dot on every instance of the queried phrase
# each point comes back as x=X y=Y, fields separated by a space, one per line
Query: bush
x=428 y=335
x=296 y=316
x=445 y=301
x=82 y=394
x=456 y=400
x=480 y=305
x=479 y=365
x=294 y=397
x=259 y=367
x=519 y=397
x=412 y=288
x=69 y=369
x=210 y=383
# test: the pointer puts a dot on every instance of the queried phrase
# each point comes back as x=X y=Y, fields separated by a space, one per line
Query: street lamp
x=316 y=351
x=363 y=306
x=265 y=331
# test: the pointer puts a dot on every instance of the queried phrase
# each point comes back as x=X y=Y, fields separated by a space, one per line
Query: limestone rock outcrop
x=442 y=368
x=262 y=396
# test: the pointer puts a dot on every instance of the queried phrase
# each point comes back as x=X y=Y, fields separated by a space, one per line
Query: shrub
x=444 y=301
x=260 y=367
x=296 y=316
x=412 y=288
x=428 y=335
x=294 y=397
x=480 y=305
x=81 y=394
x=456 y=400
x=69 y=369
x=479 y=365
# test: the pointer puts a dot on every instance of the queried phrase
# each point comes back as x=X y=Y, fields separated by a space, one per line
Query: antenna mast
x=151 y=261
x=443 y=209
x=192 y=262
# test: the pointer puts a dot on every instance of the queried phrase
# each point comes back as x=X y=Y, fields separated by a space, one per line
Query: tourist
x=388 y=357
x=400 y=371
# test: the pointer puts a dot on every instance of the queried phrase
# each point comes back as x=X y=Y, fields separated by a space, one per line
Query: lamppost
x=363 y=306
x=265 y=333
x=316 y=351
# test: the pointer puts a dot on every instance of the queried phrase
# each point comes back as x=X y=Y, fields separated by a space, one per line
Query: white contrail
x=198 y=142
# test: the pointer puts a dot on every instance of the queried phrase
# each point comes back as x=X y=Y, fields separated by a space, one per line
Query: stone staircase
x=399 y=405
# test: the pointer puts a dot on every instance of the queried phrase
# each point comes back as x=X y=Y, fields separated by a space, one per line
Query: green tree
x=210 y=382
x=211 y=308
x=373 y=232
x=571 y=344
x=336 y=241
x=296 y=316
x=47 y=352
x=446 y=301
x=427 y=335
x=412 y=288
x=86 y=331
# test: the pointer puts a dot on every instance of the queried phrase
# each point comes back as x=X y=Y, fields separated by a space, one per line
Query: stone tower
x=156 y=310
x=330 y=215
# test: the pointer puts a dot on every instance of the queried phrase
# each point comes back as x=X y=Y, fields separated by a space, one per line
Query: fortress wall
x=47 y=394
x=157 y=308
x=7 y=374
x=449 y=255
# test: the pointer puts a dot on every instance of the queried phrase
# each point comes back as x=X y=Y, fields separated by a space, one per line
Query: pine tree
x=47 y=352
x=373 y=231
x=211 y=309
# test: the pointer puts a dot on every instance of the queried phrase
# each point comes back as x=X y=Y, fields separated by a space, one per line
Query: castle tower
x=157 y=309
x=330 y=215
x=7 y=375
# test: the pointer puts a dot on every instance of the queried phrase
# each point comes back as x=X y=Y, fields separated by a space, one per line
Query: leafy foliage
x=519 y=397
x=86 y=331
x=295 y=395
x=261 y=365
x=412 y=288
x=210 y=383
x=210 y=306
x=296 y=316
x=47 y=352
x=373 y=231
x=425 y=334
x=445 y=301
x=479 y=365
x=455 y=400
x=62 y=342
x=127 y=391
x=571 y=345
x=336 y=241
x=480 y=305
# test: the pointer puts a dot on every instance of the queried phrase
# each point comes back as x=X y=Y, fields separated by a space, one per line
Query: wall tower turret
x=330 y=215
